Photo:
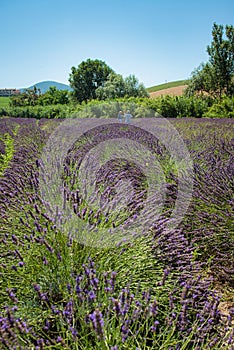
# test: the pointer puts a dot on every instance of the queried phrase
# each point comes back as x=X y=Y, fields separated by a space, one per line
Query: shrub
x=221 y=109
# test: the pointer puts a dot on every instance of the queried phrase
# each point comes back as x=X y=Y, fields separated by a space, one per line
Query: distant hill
x=173 y=88
x=45 y=85
x=170 y=88
x=167 y=85
x=172 y=91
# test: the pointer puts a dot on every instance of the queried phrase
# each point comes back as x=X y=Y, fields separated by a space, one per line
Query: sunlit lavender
x=166 y=288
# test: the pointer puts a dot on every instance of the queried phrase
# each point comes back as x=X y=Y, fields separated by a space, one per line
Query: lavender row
x=75 y=302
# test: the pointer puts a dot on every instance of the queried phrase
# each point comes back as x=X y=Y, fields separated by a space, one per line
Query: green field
x=4 y=101
x=167 y=85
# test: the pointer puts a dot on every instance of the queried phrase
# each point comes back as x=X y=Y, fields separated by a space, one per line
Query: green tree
x=54 y=96
x=87 y=77
x=116 y=86
x=221 y=52
x=203 y=81
x=133 y=88
x=28 y=98
x=216 y=76
x=113 y=87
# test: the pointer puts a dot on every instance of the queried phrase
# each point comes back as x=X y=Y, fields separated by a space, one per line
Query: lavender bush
x=155 y=292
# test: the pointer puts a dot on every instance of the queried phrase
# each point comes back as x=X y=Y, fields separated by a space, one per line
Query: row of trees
x=92 y=79
x=95 y=80
x=34 y=97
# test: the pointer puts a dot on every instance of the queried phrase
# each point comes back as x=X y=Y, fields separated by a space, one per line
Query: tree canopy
x=33 y=97
x=134 y=88
x=216 y=77
x=94 y=79
x=87 y=77
x=116 y=86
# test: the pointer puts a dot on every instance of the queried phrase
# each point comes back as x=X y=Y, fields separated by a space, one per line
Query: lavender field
x=164 y=289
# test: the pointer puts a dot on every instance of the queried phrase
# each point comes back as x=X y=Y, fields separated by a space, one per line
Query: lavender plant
x=151 y=293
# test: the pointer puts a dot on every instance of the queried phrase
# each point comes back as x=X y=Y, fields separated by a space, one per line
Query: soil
x=173 y=91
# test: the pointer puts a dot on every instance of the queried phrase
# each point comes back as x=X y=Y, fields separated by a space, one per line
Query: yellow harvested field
x=173 y=91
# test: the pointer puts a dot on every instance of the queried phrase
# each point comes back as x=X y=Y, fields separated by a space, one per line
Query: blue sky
x=155 y=40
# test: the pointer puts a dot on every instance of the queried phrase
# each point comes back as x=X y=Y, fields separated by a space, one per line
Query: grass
x=167 y=85
x=8 y=142
x=4 y=101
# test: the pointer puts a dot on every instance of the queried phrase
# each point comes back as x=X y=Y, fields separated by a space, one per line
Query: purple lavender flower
x=154 y=308
x=74 y=332
x=37 y=287
x=43 y=296
x=59 y=256
x=51 y=250
x=55 y=311
x=47 y=325
x=45 y=261
x=91 y=295
x=68 y=311
x=117 y=306
x=154 y=327
x=78 y=287
x=12 y=296
x=40 y=344
x=125 y=330
x=60 y=340
x=98 y=323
